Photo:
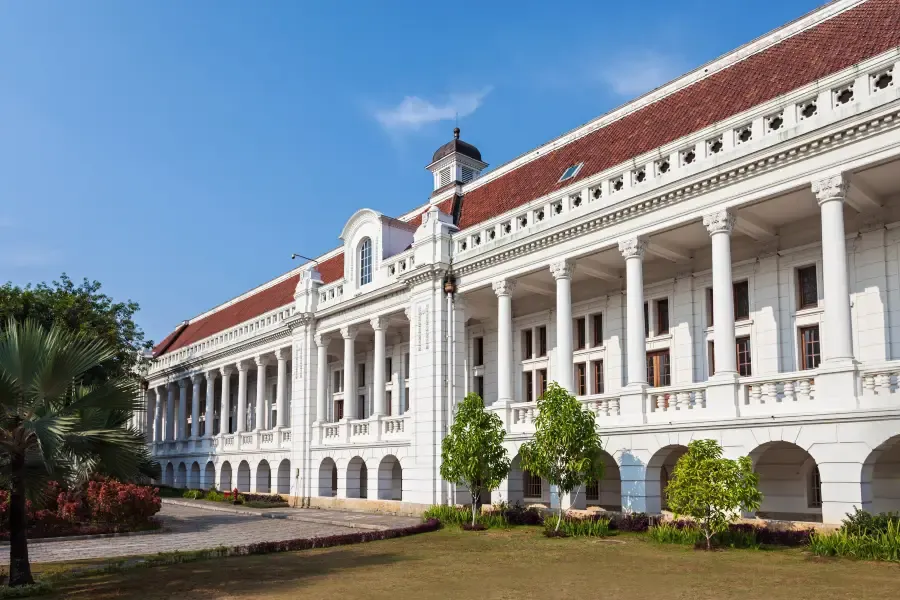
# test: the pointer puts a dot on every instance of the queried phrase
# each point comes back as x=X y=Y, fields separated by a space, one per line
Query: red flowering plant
x=122 y=504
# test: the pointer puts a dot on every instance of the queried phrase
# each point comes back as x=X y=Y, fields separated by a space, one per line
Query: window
x=388 y=368
x=479 y=386
x=334 y=481
x=406 y=366
x=527 y=345
x=365 y=262
x=580 y=379
x=662 y=316
x=445 y=176
x=810 y=353
x=592 y=491
x=570 y=172
x=658 y=369
x=743 y=357
x=532 y=485
x=597 y=324
x=580 y=334
x=815 y=488
x=479 y=351
x=741 y=292
x=709 y=307
x=597 y=368
x=388 y=401
x=646 y=320
x=529 y=386
x=338 y=410
x=361 y=406
x=338 y=381
x=711 y=357
x=542 y=381
x=542 y=340
x=406 y=399
x=807 y=288
x=361 y=375
x=363 y=481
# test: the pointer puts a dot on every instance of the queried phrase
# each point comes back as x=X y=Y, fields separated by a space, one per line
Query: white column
x=242 y=368
x=565 y=375
x=210 y=404
x=504 y=290
x=195 y=406
x=720 y=224
x=170 y=412
x=260 y=393
x=322 y=378
x=379 y=325
x=225 y=403
x=836 y=338
x=158 y=416
x=281 y=390
x=181 y=423
x=350 y=391
x=632 y=250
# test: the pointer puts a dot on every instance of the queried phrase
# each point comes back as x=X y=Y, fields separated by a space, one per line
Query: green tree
x=54 y=426
x=472 y=455
x=82 y=309
x=566 y=449
x=712 y=489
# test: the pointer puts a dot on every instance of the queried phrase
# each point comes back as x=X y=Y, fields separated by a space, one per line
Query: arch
x=209 y=475
x=357 y=478
x=225 y=480
x=525 y=487
x=606 y=493
x=390 y=479
x=263 y=477
x=880 y=478
x=181 y=475
x=789 y=482
x=193 y=481
x=328 y=478
x=169 y=475
x=283 y=480
x=364 y=261
x=659 y=472
x=243 y=476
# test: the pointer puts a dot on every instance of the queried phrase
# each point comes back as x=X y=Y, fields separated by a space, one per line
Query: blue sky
x=179 y=152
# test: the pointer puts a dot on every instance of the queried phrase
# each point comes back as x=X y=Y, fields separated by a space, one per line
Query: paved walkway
x=196 y=528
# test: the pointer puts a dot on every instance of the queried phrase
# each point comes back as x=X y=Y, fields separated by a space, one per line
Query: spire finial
x=456 y=133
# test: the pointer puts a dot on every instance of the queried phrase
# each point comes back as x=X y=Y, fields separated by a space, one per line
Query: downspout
x=450 y=290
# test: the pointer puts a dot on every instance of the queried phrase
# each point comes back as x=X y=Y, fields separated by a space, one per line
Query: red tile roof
x=840 y=42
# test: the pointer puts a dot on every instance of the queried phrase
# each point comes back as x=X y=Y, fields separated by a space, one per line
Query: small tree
x=473 y=454
x=566 y=448
x=712 y=489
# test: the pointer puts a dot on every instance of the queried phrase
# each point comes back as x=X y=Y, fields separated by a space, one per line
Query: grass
x=516 y=563
x=875 y=545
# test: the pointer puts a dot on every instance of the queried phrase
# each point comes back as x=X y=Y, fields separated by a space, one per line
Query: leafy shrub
x=214 y=495
x=672 y=533
x=119 y=503
x=460 y=516
x=865 y=543
x=518 y=514
x=862 y=522
x=635 y=522
x=593 y=526
x=261 y=504
x=193 y=494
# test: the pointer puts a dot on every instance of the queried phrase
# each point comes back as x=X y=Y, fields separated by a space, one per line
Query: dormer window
x=365 y=262
x=571 y=172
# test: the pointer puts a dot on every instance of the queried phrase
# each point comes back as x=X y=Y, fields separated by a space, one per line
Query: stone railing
x=393 y=426
x=602 y=405
x=331 y=293
x=363 y=431
x=786 y=392
x=880 y=384
x=396 y=266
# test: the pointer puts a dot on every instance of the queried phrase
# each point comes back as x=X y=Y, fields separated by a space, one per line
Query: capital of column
x=830 y=188
x=378 y=323
x=632 y=247
x=721 y=221
x=322 y=339
x=182 y=383
x=197 y=378
x=349 y=332
x=504 y=287
x=211 y=375
x=261 y=360
x=226 y=371
x=282 y=354
x=242 y=366
x=562 y=269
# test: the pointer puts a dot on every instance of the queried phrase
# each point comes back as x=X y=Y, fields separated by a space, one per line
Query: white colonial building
x=719 y=258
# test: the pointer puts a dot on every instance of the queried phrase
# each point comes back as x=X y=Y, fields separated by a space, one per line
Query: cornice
x=864 y=126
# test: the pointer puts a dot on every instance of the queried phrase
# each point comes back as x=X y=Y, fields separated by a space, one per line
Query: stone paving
x=195 y=528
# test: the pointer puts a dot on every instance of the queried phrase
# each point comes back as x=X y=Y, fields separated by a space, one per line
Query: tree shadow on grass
x=245 y=576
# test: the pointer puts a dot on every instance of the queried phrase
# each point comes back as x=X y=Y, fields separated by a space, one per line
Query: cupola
x=455 y=162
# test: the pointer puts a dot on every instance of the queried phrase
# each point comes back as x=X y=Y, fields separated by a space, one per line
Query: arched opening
x=390 y=479
x=606 y=493
x=263 y=478
x=225 y=482
x=328 y=478
x=243 y=477
x=209 y=475
x=181 y=476
x=659 y=473
x=789 y=482
x=365 y=261
x=169 y=475
x=283 y=483
x=357 y=478
x=194 y=477
x=525 y=487
x=881 y=478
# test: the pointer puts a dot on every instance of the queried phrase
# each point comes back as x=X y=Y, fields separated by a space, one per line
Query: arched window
x=365 y=262
x=815 y=488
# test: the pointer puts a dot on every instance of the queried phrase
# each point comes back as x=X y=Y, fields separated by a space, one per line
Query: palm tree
x=53 y=426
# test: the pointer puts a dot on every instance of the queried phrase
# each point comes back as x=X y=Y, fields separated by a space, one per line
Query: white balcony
x=364 y=431
x=273 y=439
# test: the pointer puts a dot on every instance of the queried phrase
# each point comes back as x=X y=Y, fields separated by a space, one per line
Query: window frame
x=566 y=174
x=661 y=377
x=530 y=484
x=597 y=377
x=579 y=326
x=580 y=379
x=597 y=329
x=365 y=258
x=801 y=305
x=804 y=358
x=478 y=351
x=658 y=305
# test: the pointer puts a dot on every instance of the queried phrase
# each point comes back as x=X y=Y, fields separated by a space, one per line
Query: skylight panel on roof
x=571 y=172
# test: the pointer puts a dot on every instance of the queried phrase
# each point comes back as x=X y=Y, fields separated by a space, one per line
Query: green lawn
x=514 y=564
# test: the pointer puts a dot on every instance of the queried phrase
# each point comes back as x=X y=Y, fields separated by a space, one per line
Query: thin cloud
x=636 y=74
x=28 y=257
x=414 y=112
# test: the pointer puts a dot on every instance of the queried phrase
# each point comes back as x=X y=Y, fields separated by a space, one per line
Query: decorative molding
x=211 y=376
x=349 y=332
x=562 y=269
x=830 y=188
x=720 y=221
x=632 y=247
x=378 y=323
x=322 y=339
x=282 y=353
x=504 y=287
x=423 y=274
x=226 y=370
x=182 y=383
